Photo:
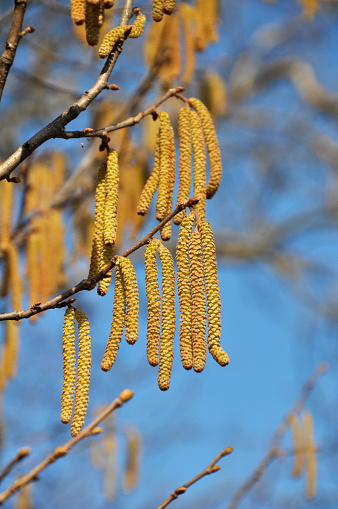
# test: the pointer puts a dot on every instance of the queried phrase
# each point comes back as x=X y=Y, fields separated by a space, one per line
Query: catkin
x=6 y=195
x=116 y=331
x=14 y=276
x=184 y=164
x=77 y=11
x=165 y=165
x=297 y=445
x=311 y=461
x=157 y=10
x=69 y=365
x=168 y=318
x=212 y=146
x=166 y=229
x=213 y=294
x=111 y=38
x=112 y=189
x=188 y=18
x=132 y=299
x=169 y=6
x=11 y=349
x=94 y=16
x=96 y=260
x=83 y=374
x=199 y=164
x=184 y=290
x=154 y=303
x=152 y=183
x=138 y=26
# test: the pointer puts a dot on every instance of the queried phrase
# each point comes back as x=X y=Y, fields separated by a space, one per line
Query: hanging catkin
x=96 y=260
x=168 y=318
x=184 y=290
x=152 y=183
x=112 y=189
x=14 y=276
x=94 y=16
x=166 y=229
x=138 y=26
x=165 y=166
x=311 y=461
x=199 y=164
x=69 y=365
x=77 y=11
x=116 y=331
x=132 y=299
x=184 y=164
x=154 y=303
x=111 y=38
x=298 y=446
x=83 y=374
x=213 y=294
x=212 y=146
x=157 y=10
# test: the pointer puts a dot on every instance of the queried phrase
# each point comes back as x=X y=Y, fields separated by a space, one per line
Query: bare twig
x=62 y=450
x=55 y=128
x=22 y=453
x=273 y=452
x=210 y=469
x=89 y=284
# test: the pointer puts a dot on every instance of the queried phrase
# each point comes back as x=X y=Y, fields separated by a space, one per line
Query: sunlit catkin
x=96 y=260
x=94 y=16
x=199 y=164
x=166 y=229
x=213 y=294
x=77 y=11
x=69 y=365
x=188 y=19
x=184 y=290
x=152 y=183
x=169 y=6
x=83 y=374
x=212 y=146
x=184 y=162
x=132 y=299
x=168 y=318
x=112 y=189
x=11 y=349
x=111 y=38
x=6 y=195
x=154 y=302
x=311 y=460
x=138 y=26
x=165 y=164
x=117 y=325
x=14 y=276
x=157 y=10
x=298 y=446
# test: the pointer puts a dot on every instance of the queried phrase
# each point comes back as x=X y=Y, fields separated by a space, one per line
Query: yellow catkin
x=14 y=276
x=166 y=159
x=32 y=263
x=199 y=164
x=184 y=163
x=310 y=7
x=169 y=6
x=157 y=10
x=11 y=349
x=155 y=39
x=69 y=365
x=188 y=19
x=111 y=38
x=82 y=375
x=77 y=11
x=168 y=319
x=212 y=146
x=117 y=325
x=154 y=302
x=166 y=229
x=199 y=312
x=214 y=94
x=297 y=445
x=112 y=189
x=104 y=283
x=94 y=16
x=184 y=290
x=138 y=26
x=311 y=460
x=131 y=472
x=171 y=67
x=6 y=195
x=213 y=294
x=152 y=183
x=132 y=299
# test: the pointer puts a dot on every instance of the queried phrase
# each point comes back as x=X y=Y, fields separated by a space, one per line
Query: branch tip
x=126 y=395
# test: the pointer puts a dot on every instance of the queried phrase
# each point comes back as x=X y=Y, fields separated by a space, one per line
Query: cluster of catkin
x=121 y=32
x=75 y=381
x=161 y=7
x=105 y=221
x=304 y=451
x=91 y=13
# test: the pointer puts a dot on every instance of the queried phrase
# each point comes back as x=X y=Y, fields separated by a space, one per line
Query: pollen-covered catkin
x=154 y=302
x=94 y=16
x=152 y=183
x=165 y=165
x=138 y=26
x=184 y=162
x=184 y=290
x=77 y=11
x=96 y=260
x=116 y=331
x=297 y=445
x=166 y=229
x=14 y=276
x=212 y=146
x=213 y=294
x=112 y=189
x=168 y=318
x=311 y=460
x=83 y=374
x=199 y=164
x=157 y=10
x=69 y=365
x=111 y=38
x=132 y=299
x=169 y=6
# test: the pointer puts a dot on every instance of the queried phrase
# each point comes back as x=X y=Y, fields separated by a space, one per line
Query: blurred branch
x=273 y=452
x=62 y=450
x=31 y=79
x=22 y=453
x=89 y=284
x=210 y=469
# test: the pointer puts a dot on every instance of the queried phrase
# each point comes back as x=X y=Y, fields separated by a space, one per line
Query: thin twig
x=89 y=284
x=62 y=450
x=210 y=469
x=22 y=453
x=272 y=453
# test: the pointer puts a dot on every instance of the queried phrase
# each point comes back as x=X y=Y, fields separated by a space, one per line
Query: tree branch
x=22 y=453
x=89 y=284
x=62 y=450
x=210 y=469
x=55 y=128
x=272 y=453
